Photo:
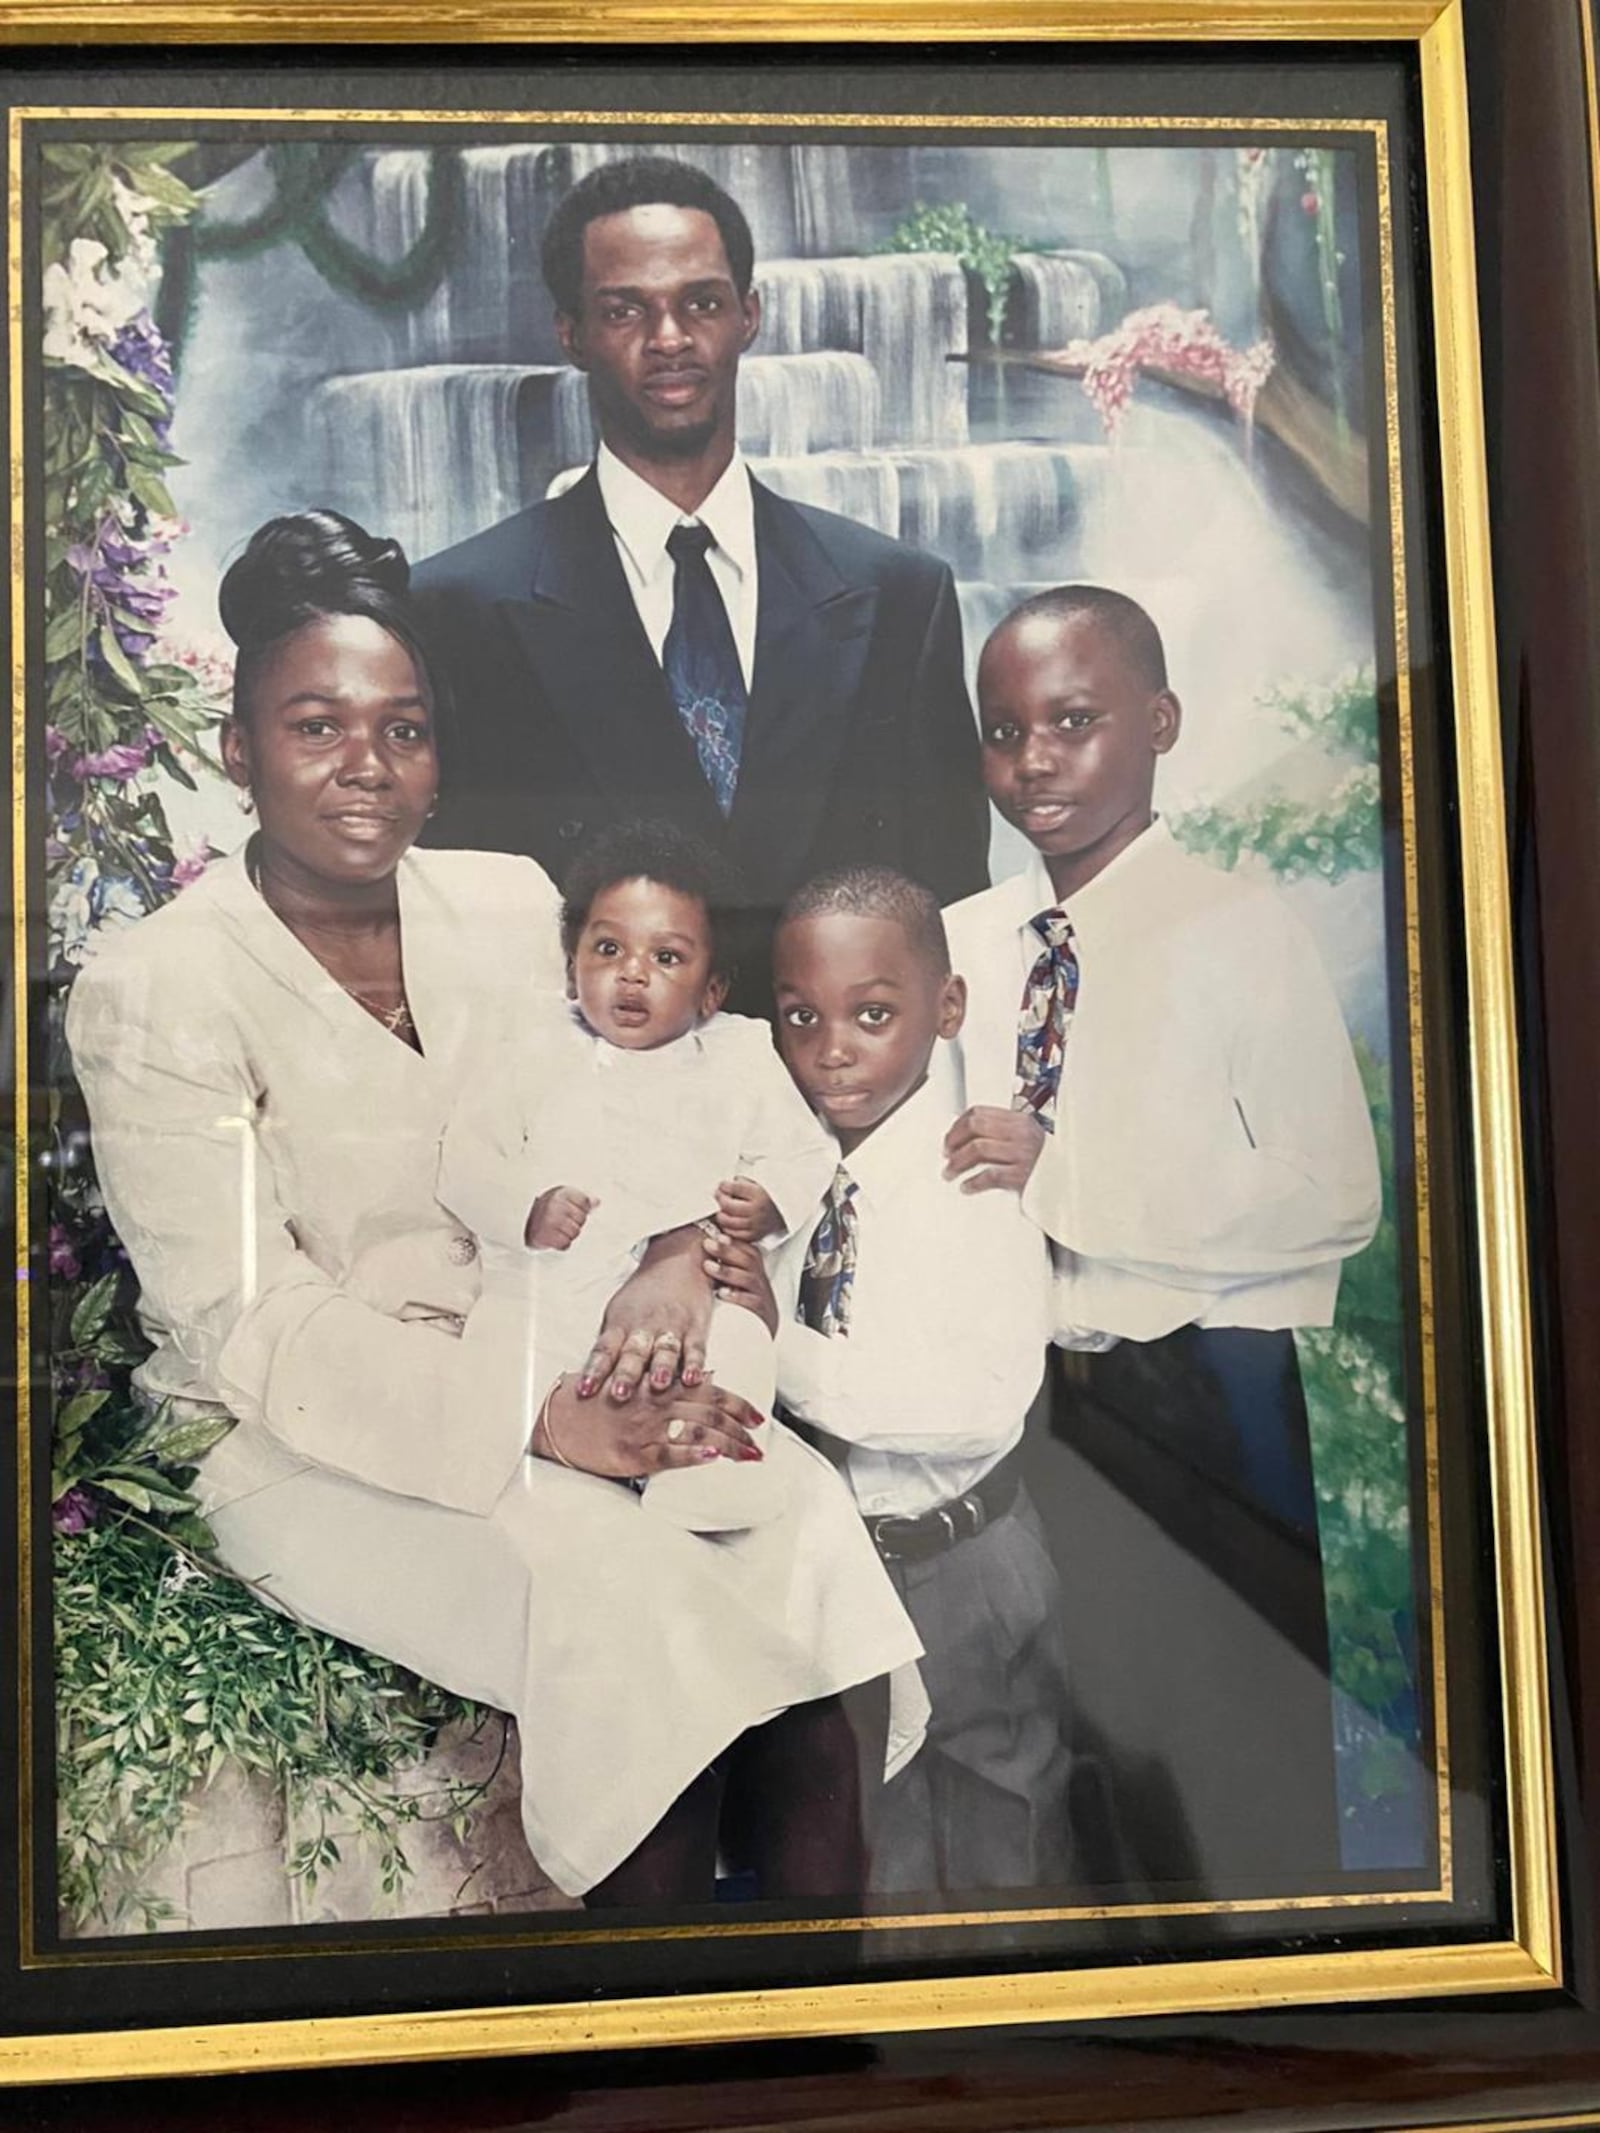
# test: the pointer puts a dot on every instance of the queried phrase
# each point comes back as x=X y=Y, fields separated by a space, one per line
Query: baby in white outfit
x=632 y=1108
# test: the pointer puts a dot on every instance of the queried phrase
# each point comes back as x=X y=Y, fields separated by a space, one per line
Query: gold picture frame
x=1528 y=1957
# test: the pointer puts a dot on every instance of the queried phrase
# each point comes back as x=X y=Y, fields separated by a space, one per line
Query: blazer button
x=463 y=1250
x=876 y=824
x=569 y=830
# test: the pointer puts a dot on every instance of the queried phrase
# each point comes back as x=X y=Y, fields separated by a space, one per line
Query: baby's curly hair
x=659 y=852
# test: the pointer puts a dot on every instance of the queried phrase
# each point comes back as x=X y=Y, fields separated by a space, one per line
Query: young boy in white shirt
x=1156 y=1063
x=911 y=1334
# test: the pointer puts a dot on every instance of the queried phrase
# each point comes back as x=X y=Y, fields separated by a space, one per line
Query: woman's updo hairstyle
x=302 y=567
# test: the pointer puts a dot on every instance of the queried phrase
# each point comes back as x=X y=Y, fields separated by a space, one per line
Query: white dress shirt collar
x=1118 y=895
x=642 y=518
x=901 y=1146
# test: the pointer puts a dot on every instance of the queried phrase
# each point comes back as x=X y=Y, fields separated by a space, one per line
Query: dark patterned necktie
x=701 y=663
x=1048 y=1000
x=830 y=1269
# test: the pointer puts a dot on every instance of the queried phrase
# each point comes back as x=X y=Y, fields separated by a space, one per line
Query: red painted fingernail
x=706 y=1451
x=692 y=1376
x=621 y=1389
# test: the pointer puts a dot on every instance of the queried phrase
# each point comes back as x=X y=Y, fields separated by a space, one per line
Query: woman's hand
x=739 y=1272
x=681 y=1426
x=656 y=1323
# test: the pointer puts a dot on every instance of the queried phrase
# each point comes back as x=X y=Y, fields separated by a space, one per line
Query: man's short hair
x=638 y=181
x=659 y=852
x=1124 y=620
x=876 y=892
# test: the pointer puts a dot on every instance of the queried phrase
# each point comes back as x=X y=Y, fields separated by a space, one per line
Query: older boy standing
x=912 y=1337
x=1157 y=1065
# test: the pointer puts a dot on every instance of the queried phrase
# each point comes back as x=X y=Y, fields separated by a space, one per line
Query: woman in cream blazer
x=269 y=1062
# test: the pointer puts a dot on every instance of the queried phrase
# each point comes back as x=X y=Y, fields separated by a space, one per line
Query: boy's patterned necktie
x=1048 y=1000
x=701 y=663
x=830 y=1269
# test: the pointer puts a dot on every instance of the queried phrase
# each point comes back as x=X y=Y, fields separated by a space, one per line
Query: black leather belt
x=935 y=1532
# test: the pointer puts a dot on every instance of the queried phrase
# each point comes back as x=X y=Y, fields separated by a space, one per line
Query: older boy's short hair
x=1125 y=620
x=660 y=852
x=638 y=181
x=877 y=892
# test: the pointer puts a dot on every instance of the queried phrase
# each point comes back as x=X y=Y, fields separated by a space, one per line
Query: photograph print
x=736 y=1229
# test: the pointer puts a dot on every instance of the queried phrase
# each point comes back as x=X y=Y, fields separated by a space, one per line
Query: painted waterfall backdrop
x=1141 y=365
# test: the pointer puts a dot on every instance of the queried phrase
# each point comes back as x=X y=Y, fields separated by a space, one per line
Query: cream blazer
x=257 y=1133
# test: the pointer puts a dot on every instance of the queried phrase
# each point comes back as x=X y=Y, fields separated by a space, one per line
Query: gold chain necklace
x=396 y=1020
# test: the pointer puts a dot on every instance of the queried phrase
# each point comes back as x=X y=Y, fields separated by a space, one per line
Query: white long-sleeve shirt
x=642 y=522
x=948 y=1323
x=1213 y=1159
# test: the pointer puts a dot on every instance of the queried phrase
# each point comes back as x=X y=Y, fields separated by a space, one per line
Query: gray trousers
x=983 y=1805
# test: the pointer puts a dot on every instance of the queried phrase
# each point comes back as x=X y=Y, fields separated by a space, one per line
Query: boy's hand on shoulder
x=739 y=1275
x=991 y=1150
x=556 y=1218
x=745 y=1212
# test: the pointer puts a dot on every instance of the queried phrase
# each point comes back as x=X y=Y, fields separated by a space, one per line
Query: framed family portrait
x=803 y=921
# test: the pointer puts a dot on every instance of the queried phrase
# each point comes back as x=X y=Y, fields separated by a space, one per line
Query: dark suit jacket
x=859 y=745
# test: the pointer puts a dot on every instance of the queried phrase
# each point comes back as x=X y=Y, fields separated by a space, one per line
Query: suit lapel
x=813 y=628
x=580 y=633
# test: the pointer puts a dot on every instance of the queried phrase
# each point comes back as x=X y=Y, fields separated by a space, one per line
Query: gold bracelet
x=542 y=1422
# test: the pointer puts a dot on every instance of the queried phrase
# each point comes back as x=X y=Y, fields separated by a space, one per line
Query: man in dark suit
x=669 y=638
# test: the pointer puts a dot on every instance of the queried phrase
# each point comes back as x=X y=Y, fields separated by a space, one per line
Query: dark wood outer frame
x=1534 y=2062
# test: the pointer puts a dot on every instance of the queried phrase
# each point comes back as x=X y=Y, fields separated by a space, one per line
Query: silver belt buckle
x=877 y=1528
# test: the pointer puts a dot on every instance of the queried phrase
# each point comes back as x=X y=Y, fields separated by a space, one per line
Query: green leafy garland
x=165 y=1666
x=1326 y=839
x=304 y=174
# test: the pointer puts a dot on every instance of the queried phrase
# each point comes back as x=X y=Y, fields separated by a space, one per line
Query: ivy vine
x=304 y=176
x=953 y=228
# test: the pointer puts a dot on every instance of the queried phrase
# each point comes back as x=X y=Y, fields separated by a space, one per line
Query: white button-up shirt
x=1213 y=1160
x=642 y=520
x=948 y=1318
